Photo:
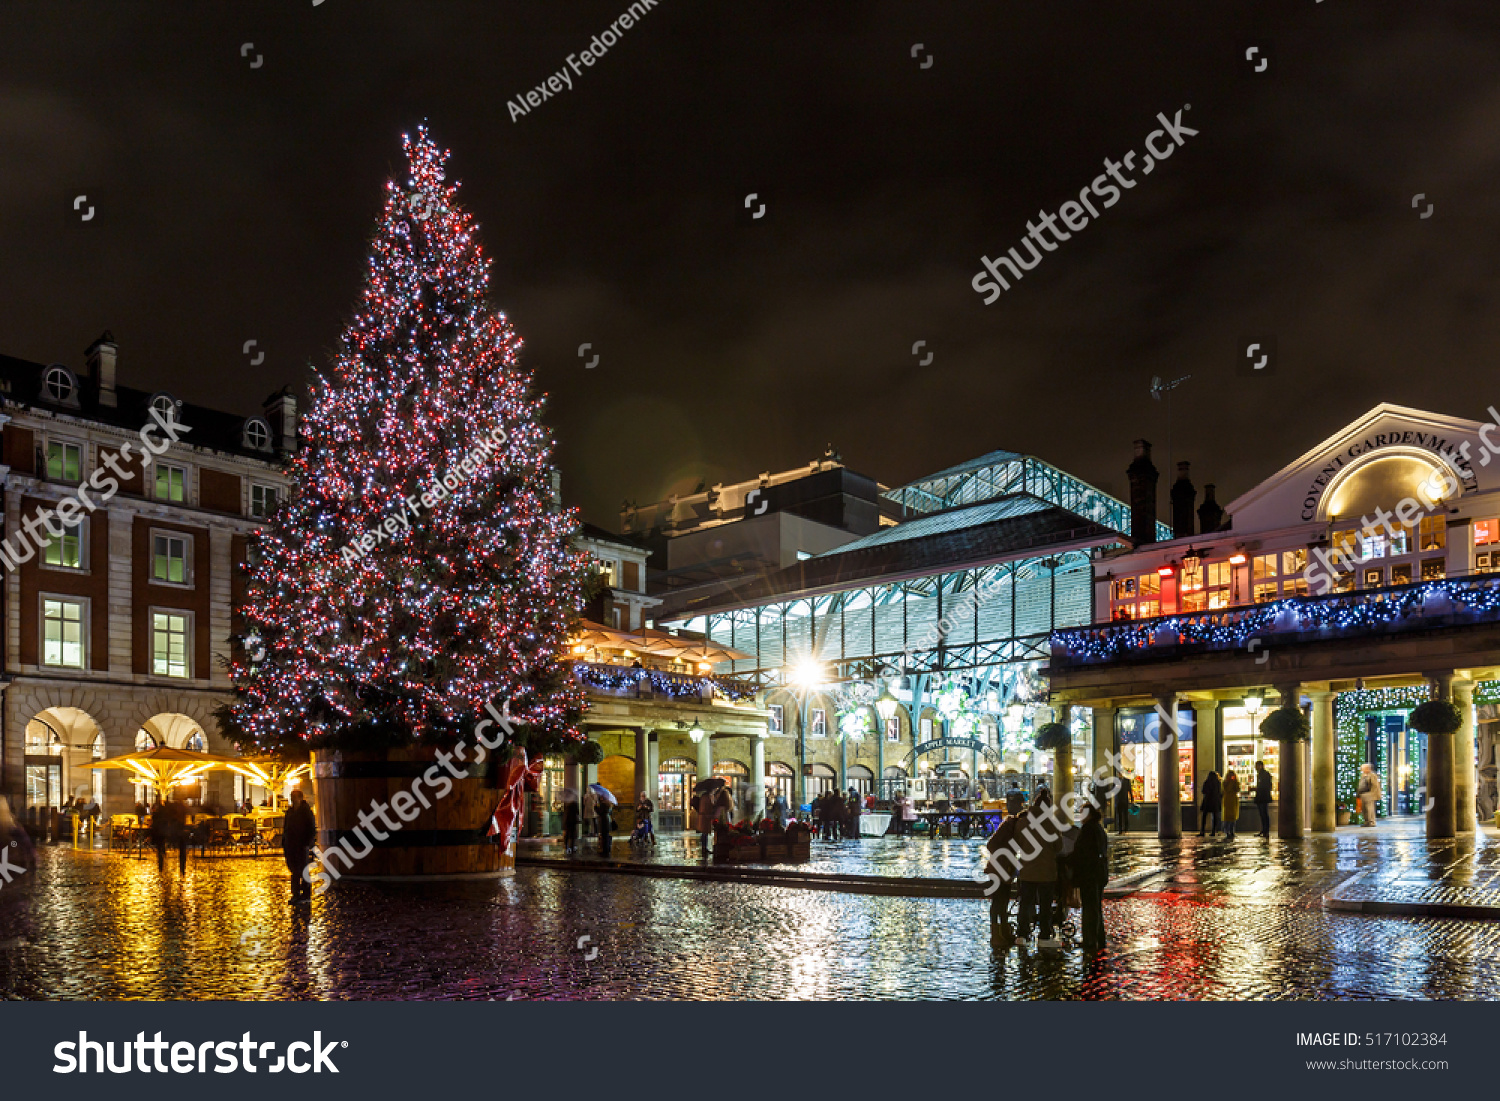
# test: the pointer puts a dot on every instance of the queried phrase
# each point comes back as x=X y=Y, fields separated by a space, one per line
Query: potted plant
x=413 y=595
x=1057 y=739
x=1435 y=717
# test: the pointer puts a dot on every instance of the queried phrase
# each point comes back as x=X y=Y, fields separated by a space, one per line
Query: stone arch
x=65 y=736
x=199 y=709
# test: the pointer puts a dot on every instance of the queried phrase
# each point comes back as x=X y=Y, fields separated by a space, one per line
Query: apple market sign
x=1456 y=455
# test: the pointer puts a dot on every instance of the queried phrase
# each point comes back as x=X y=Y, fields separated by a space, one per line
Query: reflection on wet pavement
x=1238 y=921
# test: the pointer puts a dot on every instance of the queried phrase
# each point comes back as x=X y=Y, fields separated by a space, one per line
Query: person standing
x=705 y=819
x=1263 y=797
x=169 y=828
x=1090 y=867
x=604 y=809
x=1213 y=801
x=570 y=821
x=909 y=814
x=1038 y=846
x=999 y=870
x=298 y=832
x=1231 y=804
x=1123 y=800
x=781 y=811
x=645 y=808
x=1369 y=793
x=852 y=811
x=590 y=810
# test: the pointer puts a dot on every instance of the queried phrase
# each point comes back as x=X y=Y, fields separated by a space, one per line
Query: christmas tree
x=419 y=569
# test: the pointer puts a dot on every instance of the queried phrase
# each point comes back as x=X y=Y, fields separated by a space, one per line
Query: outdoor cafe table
x=966 y=823
x=873 y=825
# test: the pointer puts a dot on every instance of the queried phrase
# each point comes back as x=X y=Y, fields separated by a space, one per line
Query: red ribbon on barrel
x=518 y=776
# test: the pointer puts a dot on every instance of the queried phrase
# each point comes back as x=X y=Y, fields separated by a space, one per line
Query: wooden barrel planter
x=447 y=840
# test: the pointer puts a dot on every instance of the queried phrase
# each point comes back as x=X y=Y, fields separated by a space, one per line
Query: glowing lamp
x=1237 y=559
x=1253 y=704
x=696 y=734
x=1164 y=571
x=887 y=705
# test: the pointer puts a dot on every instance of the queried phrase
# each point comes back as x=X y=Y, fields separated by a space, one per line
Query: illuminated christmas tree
x=420 y=568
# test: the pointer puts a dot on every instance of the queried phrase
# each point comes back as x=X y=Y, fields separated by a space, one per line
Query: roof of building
x=600 y=535
x=21 y=383
x=1021 y=526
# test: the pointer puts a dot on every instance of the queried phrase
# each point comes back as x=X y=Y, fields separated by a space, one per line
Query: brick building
x=121 y=570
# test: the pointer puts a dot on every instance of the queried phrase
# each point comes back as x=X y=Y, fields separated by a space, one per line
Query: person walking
x=298 y=832
x=781 y=811
x=570 y=816
x=605 y=811
x=645 y=808
x=1369 y=793
x=851 y=812
x=169 y=828
x=1037 y=846
x=1263 y=797
x=1090 y=868
x=1000 y=869
x=1213 y=801
x=1231 y=804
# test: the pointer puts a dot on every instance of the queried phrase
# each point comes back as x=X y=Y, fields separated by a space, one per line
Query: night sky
x=234 y=203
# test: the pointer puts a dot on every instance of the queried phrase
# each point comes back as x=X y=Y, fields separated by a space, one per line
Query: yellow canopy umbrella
x=271 y=773
x=164 y=767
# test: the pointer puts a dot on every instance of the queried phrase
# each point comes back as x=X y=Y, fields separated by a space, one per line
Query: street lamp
x=696 y=733
x=1253 y=704
x=886 y=705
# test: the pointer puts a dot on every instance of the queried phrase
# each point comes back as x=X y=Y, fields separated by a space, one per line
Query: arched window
x=58 y=383
x=42 y=740
x=861 y=779
x=779 y=779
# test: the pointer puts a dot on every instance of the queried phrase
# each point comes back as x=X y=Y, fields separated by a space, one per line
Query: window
x=1293 y=561
x=1486 y=531
x=64 y=461
x=262 y=501
x=1373 y=545
x=1137 y=597
x=1264 y=568
x=169 y=559
x=1343 y=547
x=1433 y=569
x=257 y=434
x=819 y=723
x=1373 y=578
x=1265 y=592
x=62 y=633
x=169 y=639
x=1434 y=536
x=775 y=721
x=607 y=571
x=59 y=383
x=893 y=729
x=1401 y=574
x=171 y=483
x=1219 y=575
x=779 y=779
x=65 y=551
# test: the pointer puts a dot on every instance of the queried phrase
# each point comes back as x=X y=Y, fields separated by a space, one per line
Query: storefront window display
x=1243 y=746
x=675 y=778
x=1140 y=740
x=779 y=779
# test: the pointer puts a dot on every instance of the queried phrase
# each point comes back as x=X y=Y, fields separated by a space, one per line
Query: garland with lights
x=464 y=602
x=673 y=685
x=1234 y=627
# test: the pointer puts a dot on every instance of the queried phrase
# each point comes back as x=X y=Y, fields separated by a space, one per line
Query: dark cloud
x=235 y=203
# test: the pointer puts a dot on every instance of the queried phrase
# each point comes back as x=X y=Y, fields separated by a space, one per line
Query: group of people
x=595 y=813
x=836 y=815
x=713 y=804
x=1219 y=805
x=1050 y=857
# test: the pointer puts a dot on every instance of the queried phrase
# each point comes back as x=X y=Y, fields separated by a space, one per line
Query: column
x=843 y=762
x=1291 y=795
x=1169 y=797
x=1465 y=781
x=1062 y=759
x=653 y=767
x=1441 y=819
x=879 y=754
x=706 y=756
x=1324 y=764
x=642 y=764
x=1205 y=750
x=757 y=778
x=1104 y=741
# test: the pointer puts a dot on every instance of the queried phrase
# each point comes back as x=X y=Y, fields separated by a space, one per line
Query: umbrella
x=603 y=793
x=271 y=773
x=163 y=767
x=712 y=783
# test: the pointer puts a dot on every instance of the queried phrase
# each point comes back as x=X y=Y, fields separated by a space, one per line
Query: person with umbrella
x=604 y=808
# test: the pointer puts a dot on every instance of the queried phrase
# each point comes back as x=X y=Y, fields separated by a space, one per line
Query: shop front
x=1139 y=742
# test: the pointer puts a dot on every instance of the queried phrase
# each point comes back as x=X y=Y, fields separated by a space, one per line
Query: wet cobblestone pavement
x=1241 y=921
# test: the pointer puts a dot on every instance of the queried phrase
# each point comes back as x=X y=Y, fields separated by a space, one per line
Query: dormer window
x=59 y=385
x=166 y=407
x=257 y=436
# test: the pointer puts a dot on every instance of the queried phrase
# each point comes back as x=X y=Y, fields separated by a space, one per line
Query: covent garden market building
x=924 y=656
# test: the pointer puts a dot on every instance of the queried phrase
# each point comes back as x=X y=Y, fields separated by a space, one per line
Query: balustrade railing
x=1423 y=605
x=649 y=684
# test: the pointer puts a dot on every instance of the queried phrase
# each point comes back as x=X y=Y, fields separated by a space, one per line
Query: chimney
x=100 y=357
x=281 y=413
x=1183 y=496
x=1142 y=475
x=1210 y=515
